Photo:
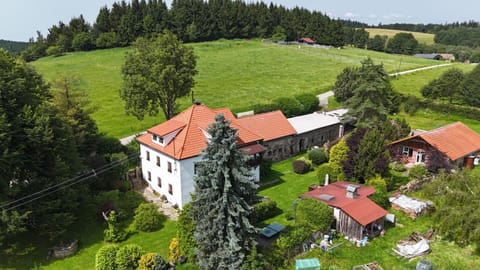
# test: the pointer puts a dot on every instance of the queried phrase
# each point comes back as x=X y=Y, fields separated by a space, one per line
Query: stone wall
x=286 y=147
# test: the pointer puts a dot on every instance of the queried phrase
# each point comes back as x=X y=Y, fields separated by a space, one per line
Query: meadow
x=424 y=38
x=231 y=73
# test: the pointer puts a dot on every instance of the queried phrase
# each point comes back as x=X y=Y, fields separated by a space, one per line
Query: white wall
x=167 y=178
x=181 y=178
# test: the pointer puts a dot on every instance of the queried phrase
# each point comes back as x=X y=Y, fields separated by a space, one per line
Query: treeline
x=14 y=47
x=428 y=28
x=190 y=20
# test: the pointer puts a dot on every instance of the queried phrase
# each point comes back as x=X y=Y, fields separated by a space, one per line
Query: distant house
x=431 y=56
x=459 y=144
x=169 y=151
x=276 y=131
x=355 y=214
x=448 y=56
x=306 y=40
x=436 y=56
x=316 y=129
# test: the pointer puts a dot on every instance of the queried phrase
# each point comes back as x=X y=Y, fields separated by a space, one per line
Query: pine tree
x=220 y=208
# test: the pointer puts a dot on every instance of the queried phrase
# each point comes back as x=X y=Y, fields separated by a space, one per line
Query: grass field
x=235 y=74
x=412 y=83
x=424 y=38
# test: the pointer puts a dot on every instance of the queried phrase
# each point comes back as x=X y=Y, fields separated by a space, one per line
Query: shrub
x=105 y=258
x=267 y=208
x=107 y=40
x=147 y=218
x=54 y=50
x=265 y=167
x=185 y=229
x=327 y=168
x=290 y=242
x=411 y=105
x=317 y=156
x=264 y=107
x=314 y=214
x=174 y=252
x=152 y=261
x=113 y=233
x=301 y=166
x=398 y=167
x=128 y=256
x=309 y=102
x=417 y=172
x=289 y=106
x=380 y=196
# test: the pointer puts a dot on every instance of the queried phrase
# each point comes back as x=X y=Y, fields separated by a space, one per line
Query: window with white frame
x=407 y=151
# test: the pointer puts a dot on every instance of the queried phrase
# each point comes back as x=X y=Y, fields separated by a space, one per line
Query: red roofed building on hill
x=459 y=144
x=170 y=150
x=355 y=214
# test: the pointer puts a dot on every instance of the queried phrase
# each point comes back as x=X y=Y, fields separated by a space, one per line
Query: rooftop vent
x=352 y=191
x=326 y=197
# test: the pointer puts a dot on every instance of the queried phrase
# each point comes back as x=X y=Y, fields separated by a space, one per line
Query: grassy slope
x=234 y=74
x=424 y=38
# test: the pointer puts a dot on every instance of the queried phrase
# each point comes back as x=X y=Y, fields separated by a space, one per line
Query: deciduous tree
x=157 y=72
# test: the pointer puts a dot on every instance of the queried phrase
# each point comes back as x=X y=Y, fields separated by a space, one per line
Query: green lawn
x=445 y=255
x=412 y=83
x=232 y=73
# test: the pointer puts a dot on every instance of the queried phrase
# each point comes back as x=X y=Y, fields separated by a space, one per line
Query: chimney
x=352 y=191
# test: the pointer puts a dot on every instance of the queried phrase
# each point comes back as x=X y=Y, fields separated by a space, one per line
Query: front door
x=420 y=158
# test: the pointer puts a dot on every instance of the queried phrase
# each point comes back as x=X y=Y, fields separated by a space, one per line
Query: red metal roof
x=307 y=40
x=191 y=140
x=364 y=211
x=361 y=208
x=454 y=140
x=270 y=125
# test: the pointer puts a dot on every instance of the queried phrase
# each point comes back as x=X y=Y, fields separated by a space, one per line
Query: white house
x=170 y=150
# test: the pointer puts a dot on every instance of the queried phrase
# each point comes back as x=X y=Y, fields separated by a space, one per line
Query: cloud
x=350 y=15
x=395 y=16
x=372 y=16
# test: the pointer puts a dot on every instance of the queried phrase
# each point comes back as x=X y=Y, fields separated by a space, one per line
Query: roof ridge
x=187 y=125
x=442 y=127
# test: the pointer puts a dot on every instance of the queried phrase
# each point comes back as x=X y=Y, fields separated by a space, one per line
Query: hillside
x=235 y=74
x=13 y=47
x=424 y=38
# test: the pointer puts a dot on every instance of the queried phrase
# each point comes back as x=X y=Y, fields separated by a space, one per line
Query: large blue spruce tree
x=221 y=209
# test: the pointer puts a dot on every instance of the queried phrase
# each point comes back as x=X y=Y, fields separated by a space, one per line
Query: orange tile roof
x=191 y=140
x=455 y=140
x=270 y=125
x=167 y=128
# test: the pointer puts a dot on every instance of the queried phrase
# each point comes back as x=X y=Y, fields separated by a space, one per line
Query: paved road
x=130 y=138
x=417 y=69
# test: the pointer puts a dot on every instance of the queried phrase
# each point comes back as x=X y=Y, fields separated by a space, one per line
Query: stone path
x=165 y=207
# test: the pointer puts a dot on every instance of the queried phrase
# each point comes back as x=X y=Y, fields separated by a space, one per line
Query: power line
x=62 y=183
x=67 y=183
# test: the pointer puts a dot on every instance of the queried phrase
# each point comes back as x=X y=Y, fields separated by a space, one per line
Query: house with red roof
x=356 y=216
x=277 y=133
x=170 y=150
x=456 y=142
x=306 y=40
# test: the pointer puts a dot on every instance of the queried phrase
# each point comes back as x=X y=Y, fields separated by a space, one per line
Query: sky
x=20 y=19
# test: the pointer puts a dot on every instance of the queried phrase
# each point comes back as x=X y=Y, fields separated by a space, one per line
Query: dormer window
x=157 y=139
